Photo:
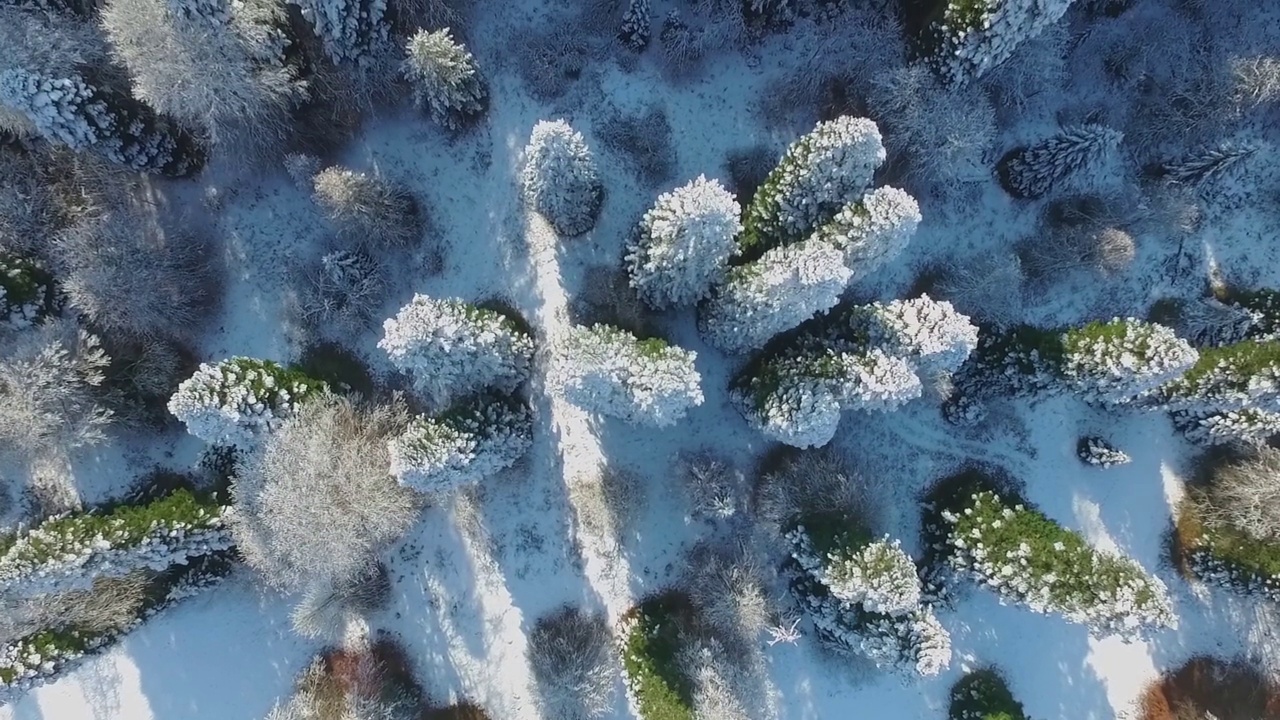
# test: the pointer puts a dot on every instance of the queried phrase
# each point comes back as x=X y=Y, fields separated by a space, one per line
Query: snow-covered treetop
x=559 y=177
x=874 y=230
x=929 y=332
x=1117 y=361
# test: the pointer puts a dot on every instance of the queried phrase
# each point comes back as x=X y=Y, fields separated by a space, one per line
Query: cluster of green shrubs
x=651 y=641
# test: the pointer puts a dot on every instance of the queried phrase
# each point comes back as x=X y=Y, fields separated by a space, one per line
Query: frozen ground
x=473 y=577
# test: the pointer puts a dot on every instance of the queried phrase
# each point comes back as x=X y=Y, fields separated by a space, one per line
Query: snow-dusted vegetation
x=639 y=359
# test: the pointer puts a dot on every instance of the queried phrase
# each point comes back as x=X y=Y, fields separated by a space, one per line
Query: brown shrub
x=1227 y=689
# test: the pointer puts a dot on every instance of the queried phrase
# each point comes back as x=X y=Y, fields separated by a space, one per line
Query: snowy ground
x=473 y=577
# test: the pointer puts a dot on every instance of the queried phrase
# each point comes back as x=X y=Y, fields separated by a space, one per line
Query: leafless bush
x=714 y=487
x=682 y=45
x=727 y=582
x=111 y=604
x=302 y=169
x=747 y=169
x=720 y=689
x=1106 y=251
x=816 y=481
x=987 y=287
x=330 y=604
x=1037 y=68
x=1257 y=79
x=1208 y=321
x=608 y=501
x=317 y=501
x=49 y=387
x=1246 y=495
x=342 y=291
x=572 y=657
x=943 y=131
x=367 y=208
x=409 y=15
x=26 y=207
x=644 y=141
x=133 y=277
x=549 y=62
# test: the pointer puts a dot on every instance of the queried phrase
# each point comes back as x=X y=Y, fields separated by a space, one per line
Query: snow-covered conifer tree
x=874 y=230
x=798 y=397
x=775 y=293
x=446 y=82
x=610 y=371
x=1233 y=377
x=234 y=401
x=974 y=37
x=352 y=31
x=1246 y=426
x=68 y=111
x=636 y=25
x=560 y=179
x=464 y=445
x=1203 y=165
x=454 y=348
x=683 y=244
x=1121 y=360
x=928 y=332
x=1033 y=171
x=819 y=174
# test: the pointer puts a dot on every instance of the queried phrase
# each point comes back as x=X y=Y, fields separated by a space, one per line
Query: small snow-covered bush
x=1096 y=451
x=872 y=231
x=683 y=245
x=1032 y=172
x=650 y=642
x=331 y=606
x=714 y=487
x=446 y=82
x=1124 y=359
x=970 y=38
x=864 y=596
x=1027 y=558
x=643 y=140
x=727 y=583
x=463 y=446
x=342 y=291
x=134 y=278
x=983 y=695
x=560 y=180
x=27 y=292
x=68 y=552
x=773 y=294
x=317 y=500
x=50 y=379
x=572 y=658
x=610 y=371
x=367 y=209
x=820 y=173
x=1106 y=251
x=454 y=348
x=234 y=401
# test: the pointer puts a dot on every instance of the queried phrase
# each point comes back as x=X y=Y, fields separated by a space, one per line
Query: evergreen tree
x=636 y=25
x=446 y=82
x=1118 y=361
x=1033 y=171
x=819 y=174
x=775 y=293
x=1231 y=394
x=234 y=401
x=463 y=446
x=560 y=180
x=609 y=371
x=971 y=38
x=929 y=333
x=1201 y=166
x=1246 y=426
x=874 y=230
x=683 y=244
x=455 y=349
x=352 y=31
x=71 y=112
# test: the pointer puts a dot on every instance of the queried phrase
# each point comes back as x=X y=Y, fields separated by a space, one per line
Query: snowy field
x=481 y=566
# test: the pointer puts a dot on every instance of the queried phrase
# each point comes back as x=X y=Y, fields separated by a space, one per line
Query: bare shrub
x=1246 y=495
x=607 y=297
x=367 y=209
x=549 y=62
x=816 y=481
x=302 y=169
x=317 y=501
x=26 y=206
x=747 y=169
x=342 y=291
x=987 y=287
x=608 y=502
x=1257 y=79
x=1208 y=321
x=714 y=487
x=49 y=390
x=572 y=657
x=1106 y=251
x=682 y=45
x=643 y=141
x=132 y=277
x=728 y=582
x=330 y=605
x=409 y=15
x=142 y=377
x=720 y=689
